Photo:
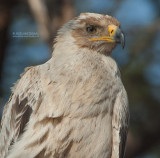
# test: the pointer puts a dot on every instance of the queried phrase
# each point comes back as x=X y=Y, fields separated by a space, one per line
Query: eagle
x=75 y=104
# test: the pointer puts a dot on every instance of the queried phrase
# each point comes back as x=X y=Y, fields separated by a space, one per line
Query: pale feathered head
x=93 y=31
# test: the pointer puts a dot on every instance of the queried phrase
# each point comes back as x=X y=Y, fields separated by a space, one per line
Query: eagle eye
x=91 y=29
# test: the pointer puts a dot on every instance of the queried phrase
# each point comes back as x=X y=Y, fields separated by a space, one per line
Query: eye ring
x=91 y=29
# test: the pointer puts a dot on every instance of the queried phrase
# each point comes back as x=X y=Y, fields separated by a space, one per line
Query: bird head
x=96 y=32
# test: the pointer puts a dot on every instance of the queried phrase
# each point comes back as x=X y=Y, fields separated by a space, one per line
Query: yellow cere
x=112 y=30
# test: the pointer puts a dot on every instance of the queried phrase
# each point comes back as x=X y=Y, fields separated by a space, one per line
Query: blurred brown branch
x=5 y=18
x=49 y=24
x=40 y=13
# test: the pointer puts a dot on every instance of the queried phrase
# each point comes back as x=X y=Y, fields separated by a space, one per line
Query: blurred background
x=27 y=31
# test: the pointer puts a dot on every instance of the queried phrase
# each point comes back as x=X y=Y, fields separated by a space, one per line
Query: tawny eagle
x=75 y=104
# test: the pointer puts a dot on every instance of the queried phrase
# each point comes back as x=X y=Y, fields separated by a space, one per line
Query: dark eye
x=91 y=29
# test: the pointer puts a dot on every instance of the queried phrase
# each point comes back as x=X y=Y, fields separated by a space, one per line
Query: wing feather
x=16 y=114
x=120 y=123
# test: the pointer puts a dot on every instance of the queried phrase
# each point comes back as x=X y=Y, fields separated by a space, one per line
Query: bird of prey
x=75 y=104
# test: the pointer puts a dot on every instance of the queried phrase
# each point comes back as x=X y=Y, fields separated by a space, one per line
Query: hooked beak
x=119 y=37
x=115 y=35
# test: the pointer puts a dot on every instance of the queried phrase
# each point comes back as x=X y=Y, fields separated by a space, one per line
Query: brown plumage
x=74 y=105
